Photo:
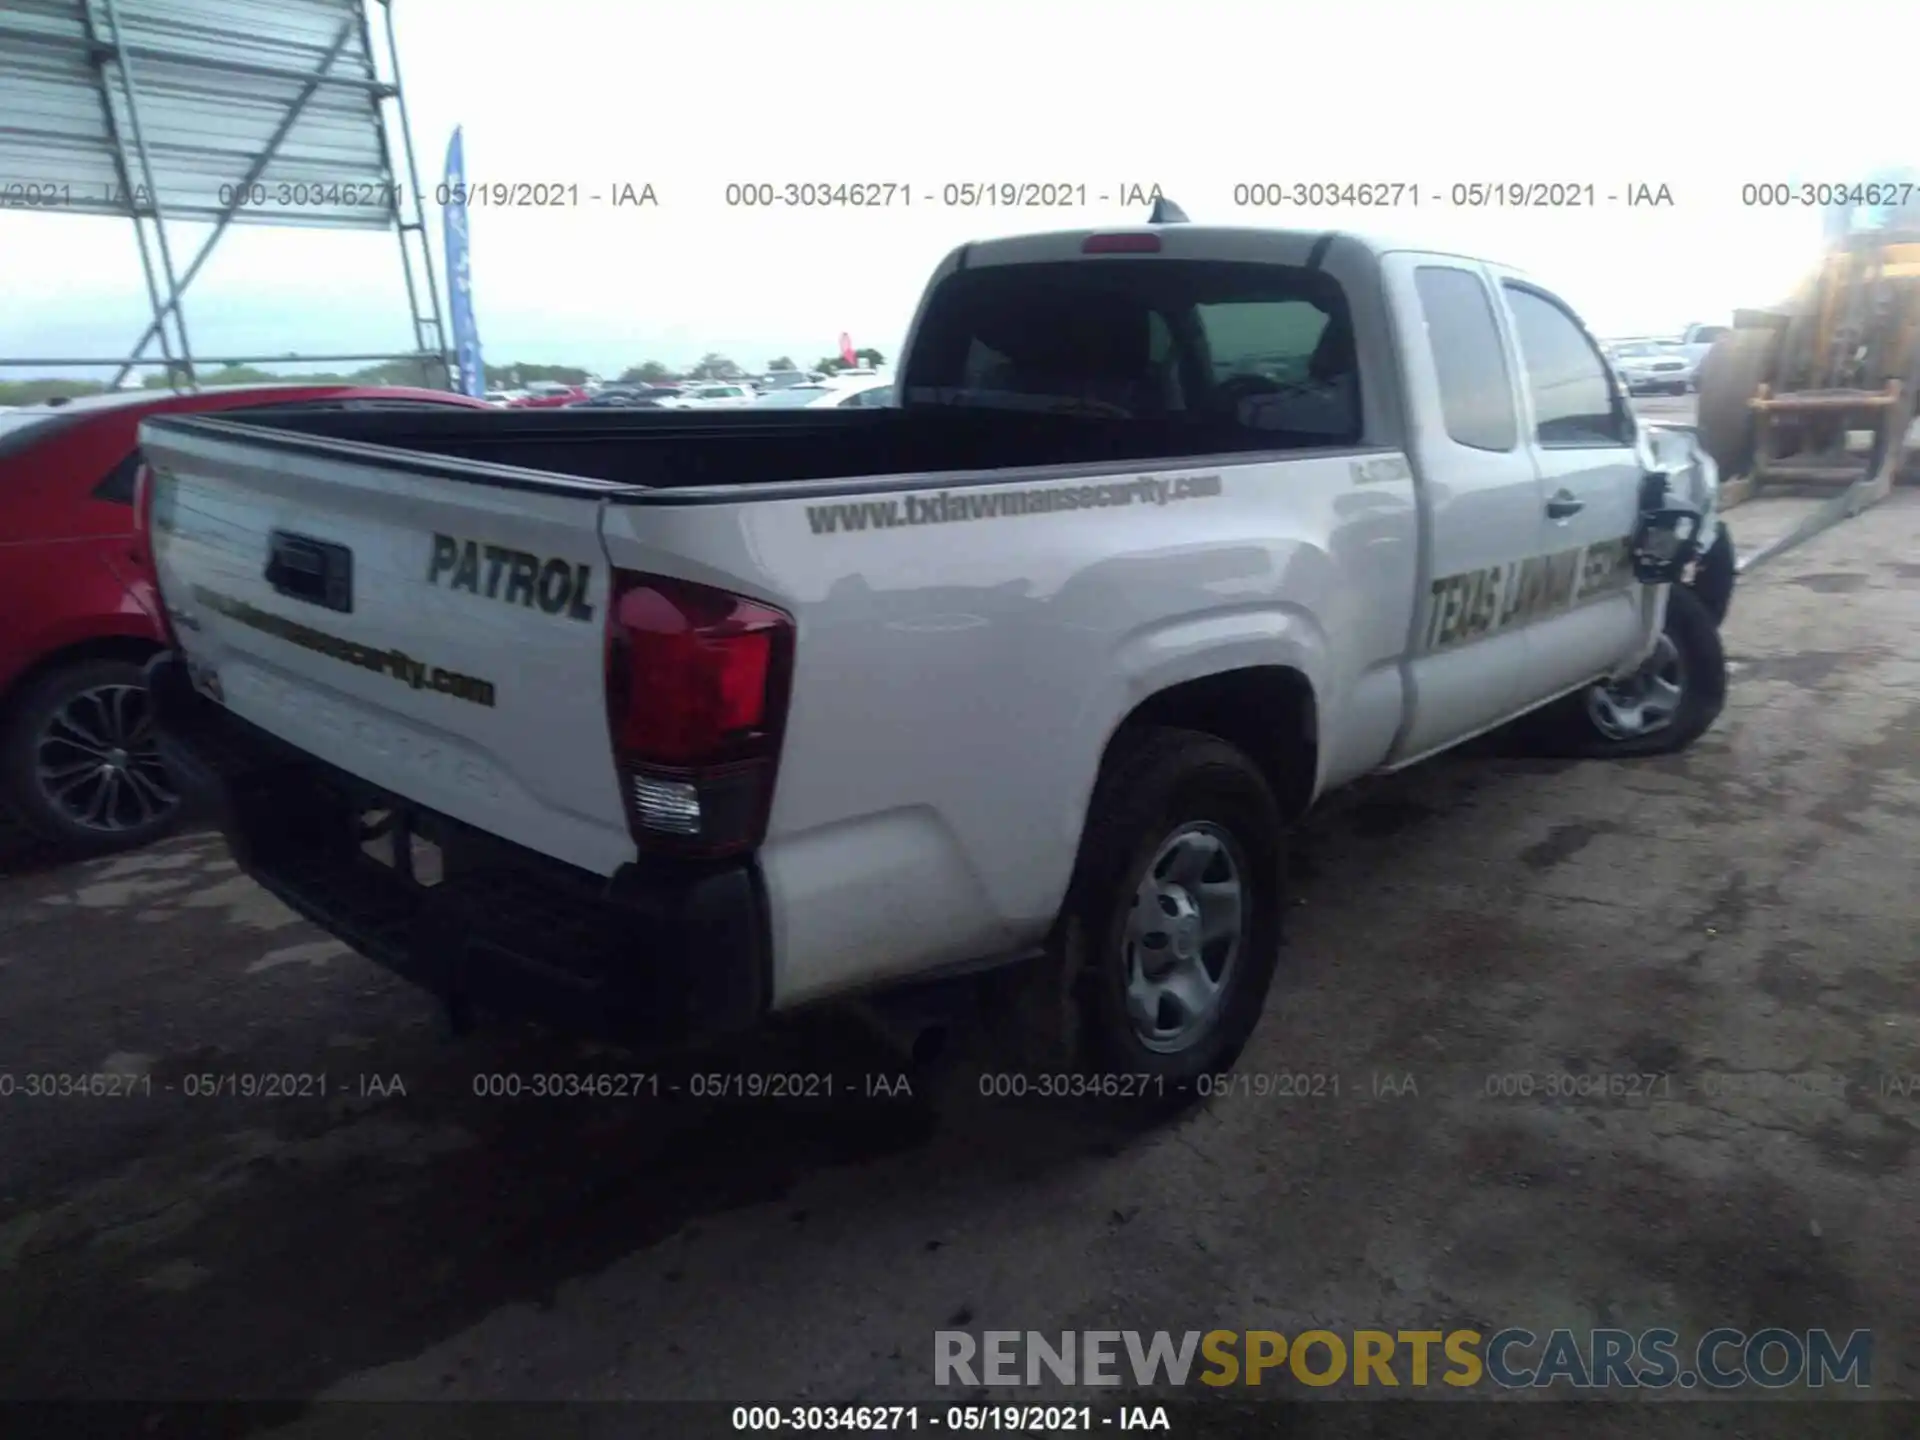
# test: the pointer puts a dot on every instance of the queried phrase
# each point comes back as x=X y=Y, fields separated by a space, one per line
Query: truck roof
x=1200 y=242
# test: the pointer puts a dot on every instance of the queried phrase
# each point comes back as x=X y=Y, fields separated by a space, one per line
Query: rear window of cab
x=1248 y=356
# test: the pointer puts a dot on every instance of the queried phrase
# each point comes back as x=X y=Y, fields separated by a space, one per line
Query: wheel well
x=1268 y=711
x=106 y=647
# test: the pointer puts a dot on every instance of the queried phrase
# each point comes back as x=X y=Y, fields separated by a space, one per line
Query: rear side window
x=1572 y=397
x=1476 y=392
x=1229 y=356
x=117 y=485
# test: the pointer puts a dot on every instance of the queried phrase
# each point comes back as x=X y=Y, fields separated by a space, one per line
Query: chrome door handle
x=1563 y=505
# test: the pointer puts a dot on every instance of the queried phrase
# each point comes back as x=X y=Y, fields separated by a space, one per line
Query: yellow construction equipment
x=1821 y=391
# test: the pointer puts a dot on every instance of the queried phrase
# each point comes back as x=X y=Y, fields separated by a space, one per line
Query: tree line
x=712 y=366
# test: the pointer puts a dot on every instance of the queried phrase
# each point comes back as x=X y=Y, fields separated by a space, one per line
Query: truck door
x=1480 y=494
x=1582 y=612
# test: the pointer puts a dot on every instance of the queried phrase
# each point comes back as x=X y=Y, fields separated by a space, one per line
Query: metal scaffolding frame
x=214 y=111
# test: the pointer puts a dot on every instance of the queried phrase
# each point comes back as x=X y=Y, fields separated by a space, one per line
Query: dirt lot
x=1736 y=921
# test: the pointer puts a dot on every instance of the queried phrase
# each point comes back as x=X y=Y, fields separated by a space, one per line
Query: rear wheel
x=1168 y=941
x=80 y=763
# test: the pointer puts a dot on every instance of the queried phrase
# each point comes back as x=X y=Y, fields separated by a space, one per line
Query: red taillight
x=143 y=503
x=1130 y=243
x=697 y=683
x=143 y=553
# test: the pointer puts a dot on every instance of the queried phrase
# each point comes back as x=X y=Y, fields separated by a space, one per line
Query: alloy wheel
x=97 y=761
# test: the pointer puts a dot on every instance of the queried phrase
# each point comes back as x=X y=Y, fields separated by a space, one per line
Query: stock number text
x=818 y=195
x=1070 y=1085
x=1567 y=1085
x=63 y=1085
x=1896 y=193
x=296 y=195
x=1276 y=194
x=560 y=1085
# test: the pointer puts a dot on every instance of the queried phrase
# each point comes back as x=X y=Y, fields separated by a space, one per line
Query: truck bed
x=678 y=450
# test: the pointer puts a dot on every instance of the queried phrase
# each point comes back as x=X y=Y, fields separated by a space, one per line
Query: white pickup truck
x=648 y=724
x=1697 y=339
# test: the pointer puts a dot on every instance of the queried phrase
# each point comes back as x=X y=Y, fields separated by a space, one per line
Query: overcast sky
x=1196 y=97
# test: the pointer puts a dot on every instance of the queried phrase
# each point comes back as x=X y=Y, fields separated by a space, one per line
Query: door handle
x=1563 y=505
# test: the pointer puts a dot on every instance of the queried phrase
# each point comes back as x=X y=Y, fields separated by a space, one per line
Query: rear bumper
x=654 y=957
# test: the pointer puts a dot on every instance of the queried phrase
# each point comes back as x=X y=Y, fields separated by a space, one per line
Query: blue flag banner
x=466 y=334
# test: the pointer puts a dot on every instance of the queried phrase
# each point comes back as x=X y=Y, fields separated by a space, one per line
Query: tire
x=1166 y=800
x=1714 y=576
x=1729 y=374
x=44 y=739
x=1586 y=724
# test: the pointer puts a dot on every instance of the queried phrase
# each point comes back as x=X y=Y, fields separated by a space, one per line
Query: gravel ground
x=1741 y=920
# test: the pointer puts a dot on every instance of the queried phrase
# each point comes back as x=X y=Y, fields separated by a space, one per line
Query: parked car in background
x=732 y=395
x=869 y=393
x=783 y=379
x=1653 y=367
x=549 y=395
x=78 y=763
x=629 y=397
x=505 y=397
x=1696 y=340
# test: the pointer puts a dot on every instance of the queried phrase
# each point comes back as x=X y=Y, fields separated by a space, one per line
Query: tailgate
x=439 y=637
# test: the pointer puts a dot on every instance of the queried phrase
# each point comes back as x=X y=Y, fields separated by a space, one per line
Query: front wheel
x=1715 y=574
x=1663 y=707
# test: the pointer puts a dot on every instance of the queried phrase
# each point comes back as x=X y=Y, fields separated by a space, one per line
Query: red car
x=78 y=763
x=549 y=399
